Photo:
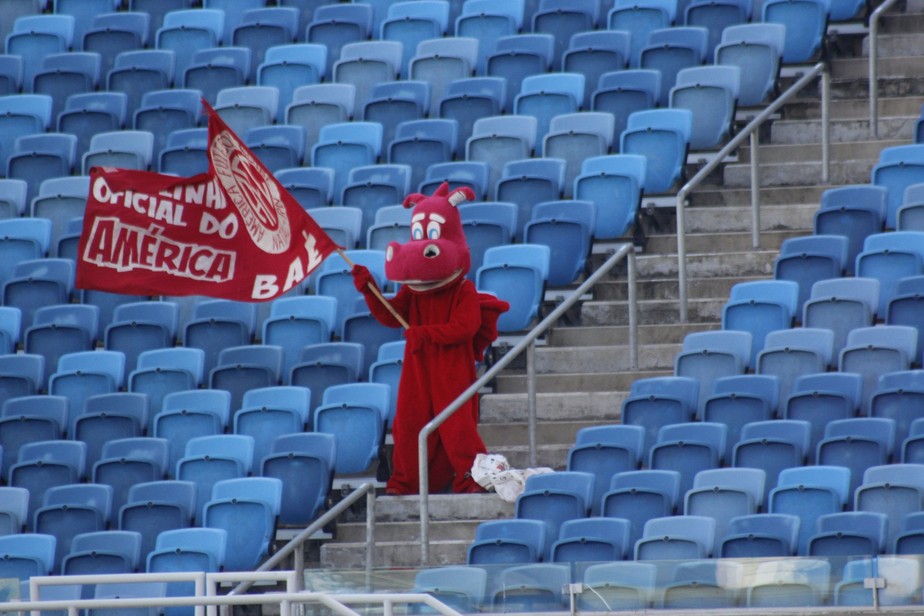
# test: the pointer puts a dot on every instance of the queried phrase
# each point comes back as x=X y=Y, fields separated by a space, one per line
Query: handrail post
x=682 y=253
x=874 y=66
x=631 y=297
x=825 y=127
x=531 y=401
x=370 y=536
x=755 y=189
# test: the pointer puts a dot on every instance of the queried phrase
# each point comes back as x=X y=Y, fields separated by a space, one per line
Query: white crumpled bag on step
x=493 y=472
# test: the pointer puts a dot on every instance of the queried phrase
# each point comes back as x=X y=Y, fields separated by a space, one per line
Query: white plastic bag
x=486 y=467
x=493 y=472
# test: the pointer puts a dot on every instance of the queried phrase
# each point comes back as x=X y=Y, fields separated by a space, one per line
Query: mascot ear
x=412 y=199
x=460 y=195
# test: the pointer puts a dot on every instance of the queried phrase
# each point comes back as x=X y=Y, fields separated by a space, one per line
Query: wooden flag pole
x=376 y=292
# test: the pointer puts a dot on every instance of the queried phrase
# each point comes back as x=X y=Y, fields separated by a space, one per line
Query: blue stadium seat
x=790 y=353
x=898 y=168
x=107 y=417
x=241 y=368
x=655 y=402
x=711 y=94
x=892 y=489
x=688 y=448
x=366 y=63
x=246 y=107
x=619 y=585
x=69 y=510
x=487 y=21
x=64 y=74
x=670 y=50
x=262 y=28
x=22 y=239
x=278 y=147
x=595 y=53
x=22 y=114
x=466 y=100
x=10 y=74
x=363 y=328
x=126 y=149
x=566 y=227
x=37 y=283
x=346 y=145
x=896 y=397
x=874 y=351
x=462 y=588
x=386 y=369
x=102 y=552
x=890 y=257
x=723 y=494
x=21 y=374
x=500 y=139
x=323 y=365
x=854 y=211
x=137 y=327
x=40 y=157
x=246 y=508
x=184 y=152
x=288 y=67
x=518 y=56
x=901 y=576
x=13 y=510
x=517 y=274
x=773 y=446
x=499 y=542
x=909 y=541
x=564 y=19
x=189 y=414
x=716 y=17
x=83 y=374
x=641 y=495
x=33 y=37
x=663 y=137
x=821 y=398
x=187 y=549
x=440 y=61
x=126 y=462
x=486 y=224
x=622 y=93
x=60 y=200
x=420 y=143
x=527 y=182
x=410 y=23
x=840 y=305
x=392 y=224
x=311 y=187
x=393 y=102
x=591 y=540
x=27 y=554
x=676 y=538
x=806 y=22
x=473 y=174
x=269 y=412
x=210 y=459
x=757 y=50
x=790 y=583
x=640 y=18
x=297 y=321
x=702 y=584
x=218 y=324
x=185 y=31
x=333 y=279
x=215 y=68
x=110 y=33
x=12 y=198
x=762 y=535
x=533 y=587
x=575 y=137
x=548 y=95
x=10 y=326
x=335 y=26
x=605 y=451
x=61 y=329
x=155 y=507
x=372 y=187
x=355 y=414
x=315 y=106
x=88 y=113
x=305 y=465
x=903 y=310
x=555 y=498
x=849 y=533
x=857 y=443
x=601 y=177
x=810 y=492
x=30 y=419
x=139 y=71
x=760 y=307
x=738 y=400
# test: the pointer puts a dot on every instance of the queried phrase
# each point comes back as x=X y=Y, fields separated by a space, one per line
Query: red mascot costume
x=450 y=326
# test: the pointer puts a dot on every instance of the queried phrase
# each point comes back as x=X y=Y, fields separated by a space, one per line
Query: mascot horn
x=449 y=326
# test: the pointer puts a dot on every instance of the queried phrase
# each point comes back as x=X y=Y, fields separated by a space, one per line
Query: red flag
x=233 y=232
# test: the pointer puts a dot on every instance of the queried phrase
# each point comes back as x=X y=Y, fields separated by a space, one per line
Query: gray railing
x=873 y=43
x=751 y=132
x=625 y=251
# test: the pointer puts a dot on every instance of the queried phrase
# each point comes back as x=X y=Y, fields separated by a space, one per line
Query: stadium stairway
x=583 y=370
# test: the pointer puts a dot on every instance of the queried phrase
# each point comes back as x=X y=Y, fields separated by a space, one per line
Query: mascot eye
x=417 y=231
x=433 y=231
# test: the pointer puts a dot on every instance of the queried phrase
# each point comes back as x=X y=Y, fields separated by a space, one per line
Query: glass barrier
x=637 y=585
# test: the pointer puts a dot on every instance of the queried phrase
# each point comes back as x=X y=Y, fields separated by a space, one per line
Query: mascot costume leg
x=450 y=324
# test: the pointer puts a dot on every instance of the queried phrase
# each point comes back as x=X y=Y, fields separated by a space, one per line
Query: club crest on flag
x=234 y=232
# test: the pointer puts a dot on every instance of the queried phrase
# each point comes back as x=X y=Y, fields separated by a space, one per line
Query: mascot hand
x=362 y=277
x=415 y=337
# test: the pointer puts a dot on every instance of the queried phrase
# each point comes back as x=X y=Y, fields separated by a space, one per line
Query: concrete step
x=570 y=382
x=390 y=554
x=745 y=264
x=790 y=132
x=851 y=75
x=901 y=22
x=898 y=45
x=811 y=152
x=389 y=532
x=668 y=288
x=779 y=174
x=547 y=433
x=614 y=313
x=852 y=108
x=566 y=406
x=665 y=244
x=661 y=333
x=713 y=195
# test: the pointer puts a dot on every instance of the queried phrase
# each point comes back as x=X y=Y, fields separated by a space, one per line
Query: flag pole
x=376 y=292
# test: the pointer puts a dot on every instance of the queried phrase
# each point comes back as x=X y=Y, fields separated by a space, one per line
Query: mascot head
x=437 y=252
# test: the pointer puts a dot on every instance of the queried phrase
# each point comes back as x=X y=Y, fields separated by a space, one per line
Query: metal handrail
x=750 y=131
x=873 y=42
x=624 y=251
x=294 y=546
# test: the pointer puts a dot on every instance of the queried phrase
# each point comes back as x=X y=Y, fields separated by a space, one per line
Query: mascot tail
x=491 y=309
